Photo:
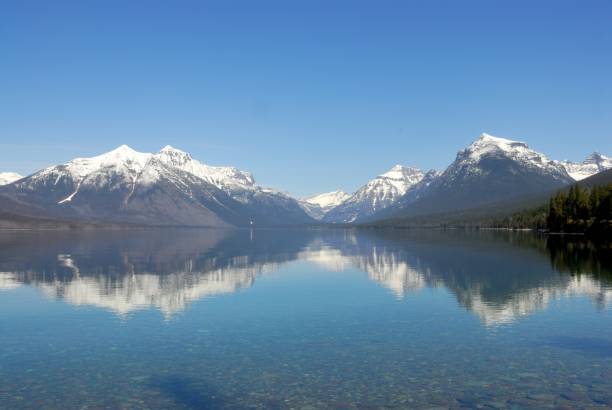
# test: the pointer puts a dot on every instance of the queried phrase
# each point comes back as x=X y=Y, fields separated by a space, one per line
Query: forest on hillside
x=581 y=210
x=577 y=210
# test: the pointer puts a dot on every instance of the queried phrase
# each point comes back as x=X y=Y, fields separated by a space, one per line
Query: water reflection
x=500 y=277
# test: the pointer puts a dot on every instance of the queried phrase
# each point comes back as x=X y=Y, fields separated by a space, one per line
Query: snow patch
x=9 y=177
x=592 y=165
x=379 y=193
x=328 y=199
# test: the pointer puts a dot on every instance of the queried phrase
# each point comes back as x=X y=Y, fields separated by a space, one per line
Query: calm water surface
x=335 y=319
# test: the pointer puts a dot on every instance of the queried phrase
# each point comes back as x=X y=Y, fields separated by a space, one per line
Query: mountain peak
x=377 y=194
x=592 y=164
x=328 y=199
x=9 y=177
x=487 y=144
x=174 y=156
x=119 y=155
x=401 y=172
x=121 y=149
x=485 y=136
x=164 y=188
x=488 y=138
x=170 y=148
x=595 y=158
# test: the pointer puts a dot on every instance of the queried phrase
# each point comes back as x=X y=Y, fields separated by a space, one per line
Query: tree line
x=587 y=210
x=577 y=210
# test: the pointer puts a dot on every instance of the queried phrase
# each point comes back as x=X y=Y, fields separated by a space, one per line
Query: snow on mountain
x=378 y=194
x=319 y=205
x=592 y=165
x=222 y=177
x=146 y=169
x=489 y=170
x=487 y=153
x=328 y=199
x=488 y=146
x=9 y=177
x=418 y=190
x=169 y=185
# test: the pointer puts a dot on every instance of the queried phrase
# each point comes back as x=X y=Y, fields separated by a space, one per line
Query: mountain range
x=379 y=193
x=170 y=188
x=317 y=206
x=489 y=171
x=164 y=188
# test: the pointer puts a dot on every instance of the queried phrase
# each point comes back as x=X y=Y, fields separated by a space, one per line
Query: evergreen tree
x=581 y=210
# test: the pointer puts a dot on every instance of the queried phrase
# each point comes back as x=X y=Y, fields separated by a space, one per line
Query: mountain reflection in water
x=499 y=276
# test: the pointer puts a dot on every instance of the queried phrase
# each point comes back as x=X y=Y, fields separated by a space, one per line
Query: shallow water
x=339 y=319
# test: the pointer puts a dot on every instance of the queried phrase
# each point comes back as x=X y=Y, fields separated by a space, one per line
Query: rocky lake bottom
x=303 y=319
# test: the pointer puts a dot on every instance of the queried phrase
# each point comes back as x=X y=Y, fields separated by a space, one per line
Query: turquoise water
x=282 y=319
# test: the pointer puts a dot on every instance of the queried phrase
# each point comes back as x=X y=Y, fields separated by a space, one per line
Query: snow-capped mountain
x=170 y=187
x=229 y=179
x=319 y=205
x=328 y=199
x=474 y=158
x=485 y=155
x=165 y=188
x=376 y=195
x=9 y=177
x=417 y=191
x=490 y=170
x=592 y=165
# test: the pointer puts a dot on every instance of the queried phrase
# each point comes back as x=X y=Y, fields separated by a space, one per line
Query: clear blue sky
x=308 y=95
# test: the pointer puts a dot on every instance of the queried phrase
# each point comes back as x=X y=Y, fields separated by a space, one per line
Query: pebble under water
x=304 y=319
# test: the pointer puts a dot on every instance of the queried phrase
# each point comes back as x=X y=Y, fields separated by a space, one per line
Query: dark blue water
x=200 y=319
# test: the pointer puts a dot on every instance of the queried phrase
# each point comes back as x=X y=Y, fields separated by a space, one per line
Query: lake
x=303 y=319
